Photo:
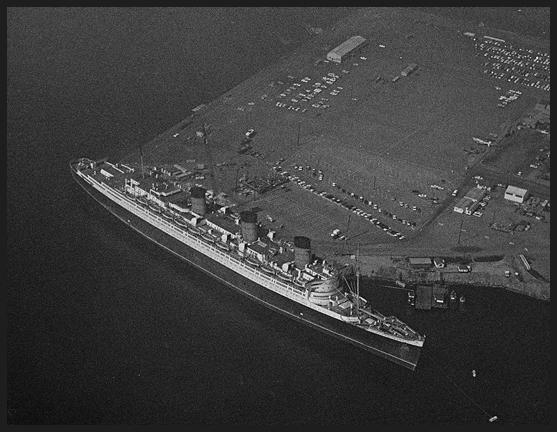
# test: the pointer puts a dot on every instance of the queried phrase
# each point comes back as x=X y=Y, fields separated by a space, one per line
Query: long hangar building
x=346 y=48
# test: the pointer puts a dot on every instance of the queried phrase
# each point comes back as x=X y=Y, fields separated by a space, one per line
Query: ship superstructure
x=235 y=249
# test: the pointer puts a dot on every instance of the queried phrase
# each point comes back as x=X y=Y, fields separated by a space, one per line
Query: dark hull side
x=403 y=354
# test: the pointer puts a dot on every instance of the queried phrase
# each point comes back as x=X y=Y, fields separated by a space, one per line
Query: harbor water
x=104 y=327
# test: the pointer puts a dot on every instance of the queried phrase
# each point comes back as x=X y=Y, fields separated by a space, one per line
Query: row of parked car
x=377 y=208
x=343 y=203
x=515 y=64
x=306 y=93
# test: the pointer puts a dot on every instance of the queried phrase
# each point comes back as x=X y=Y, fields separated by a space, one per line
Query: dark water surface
x=105 y=328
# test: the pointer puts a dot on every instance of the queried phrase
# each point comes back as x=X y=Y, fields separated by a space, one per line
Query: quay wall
x=482 y=275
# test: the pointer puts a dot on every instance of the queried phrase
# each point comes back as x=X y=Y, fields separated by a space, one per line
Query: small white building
x=516 y=194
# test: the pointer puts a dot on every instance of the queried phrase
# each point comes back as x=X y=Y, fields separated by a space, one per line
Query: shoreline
x=394 y=268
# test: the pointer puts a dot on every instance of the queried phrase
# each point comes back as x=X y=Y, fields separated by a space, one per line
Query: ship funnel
x=248 y=222
x=198 y=204
x=302 y=251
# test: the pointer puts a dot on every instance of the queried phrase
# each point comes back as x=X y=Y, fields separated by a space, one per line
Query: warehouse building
x=516 y=194
x=346 y=48
x=470 y=201
x=475 y=194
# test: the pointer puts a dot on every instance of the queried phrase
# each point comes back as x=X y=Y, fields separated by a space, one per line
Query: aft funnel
x=302 y=251
x=248 y=223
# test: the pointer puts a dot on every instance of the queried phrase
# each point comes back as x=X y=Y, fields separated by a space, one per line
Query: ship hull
x=404 y=354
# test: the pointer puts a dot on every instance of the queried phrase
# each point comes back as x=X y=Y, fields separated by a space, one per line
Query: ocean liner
x=236 y=250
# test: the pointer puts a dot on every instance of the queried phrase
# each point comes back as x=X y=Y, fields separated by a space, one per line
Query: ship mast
x=142 y=168
x=209 y=159
x=358 y=280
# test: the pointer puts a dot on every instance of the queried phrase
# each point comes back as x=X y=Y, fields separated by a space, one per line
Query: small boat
x=462 y=303
x=411 y=298
x=453 y=299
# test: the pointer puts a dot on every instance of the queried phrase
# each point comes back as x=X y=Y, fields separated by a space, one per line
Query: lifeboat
x=252 y=261
x=235 y=254
x=222 y=246
x=181 y=222
x=142 y=201
x=167 y=215
x=209 y=237
x=267 y=269
x=299 y=283
x=195 y=230
x=154 y=208
x=285 y=276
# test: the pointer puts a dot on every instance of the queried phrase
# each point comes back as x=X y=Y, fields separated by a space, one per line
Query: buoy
x=492 y=419
x=474 y=373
